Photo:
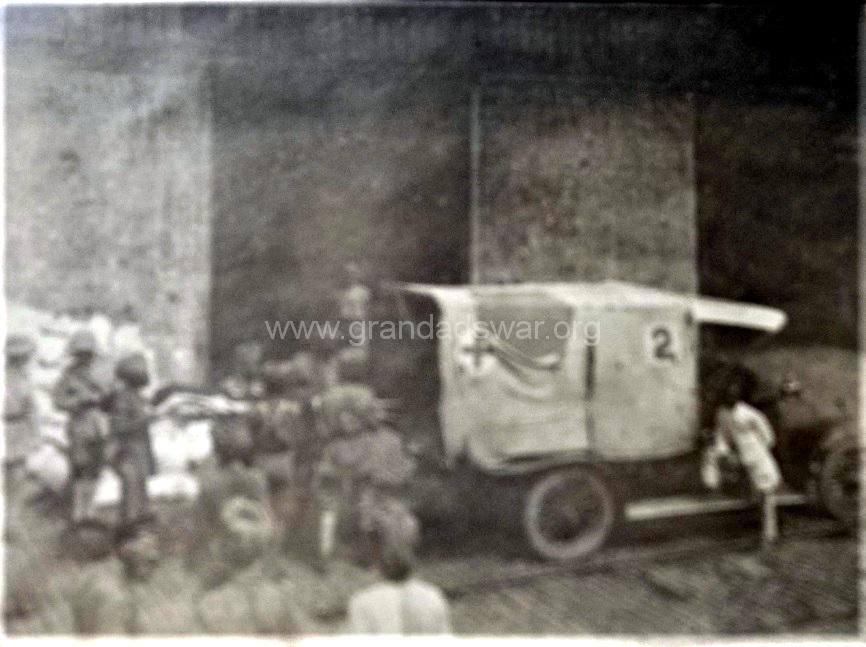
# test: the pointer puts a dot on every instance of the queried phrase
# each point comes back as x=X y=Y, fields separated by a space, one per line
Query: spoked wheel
x=839 y=484
x=569 y=513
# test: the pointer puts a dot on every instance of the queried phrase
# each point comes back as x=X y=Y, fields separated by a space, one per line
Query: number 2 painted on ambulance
x=661 y=344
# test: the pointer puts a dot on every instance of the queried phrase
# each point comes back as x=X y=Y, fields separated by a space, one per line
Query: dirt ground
x=803 y=587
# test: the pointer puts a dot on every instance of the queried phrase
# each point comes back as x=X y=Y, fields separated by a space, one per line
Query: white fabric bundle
x=177 y=444
x=171 y=486
x=49 y=466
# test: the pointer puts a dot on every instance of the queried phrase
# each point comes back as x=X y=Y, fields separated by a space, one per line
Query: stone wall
x=325 y=170
x=777 y=212
x=587 y=183
x=108 y=176
x=217 y=165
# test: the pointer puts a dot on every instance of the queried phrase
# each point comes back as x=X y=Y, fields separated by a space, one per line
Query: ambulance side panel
x=507 y=411
x=644 y=400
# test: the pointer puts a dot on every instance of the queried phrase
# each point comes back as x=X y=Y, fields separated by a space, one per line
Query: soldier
x=300 y=376
x=129 y=447
x=353 y=366
x=19 y=412
x=79 y=394
x=127 y=338
x=344 y=413
x=246 y=382
x=383 y=473
x=363 y=469
x=355 y=299
x=233 y=434
x=281 y=427
x=276 y=415
x=244 y=594
x=291 y=421
x=354 y=304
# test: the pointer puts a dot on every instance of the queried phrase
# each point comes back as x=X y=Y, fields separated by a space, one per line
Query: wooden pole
x=475 y=185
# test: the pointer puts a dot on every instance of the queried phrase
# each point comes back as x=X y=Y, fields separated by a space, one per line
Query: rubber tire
x=840 y=453
x=585 y=544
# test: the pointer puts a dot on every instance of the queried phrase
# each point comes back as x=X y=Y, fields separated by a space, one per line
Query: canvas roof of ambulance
x=615 y=294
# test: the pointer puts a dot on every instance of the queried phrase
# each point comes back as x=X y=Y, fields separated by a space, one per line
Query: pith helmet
x=19 y=347
x=132 y=369
x=352 y=364
x=347 y=409
x=82 y=342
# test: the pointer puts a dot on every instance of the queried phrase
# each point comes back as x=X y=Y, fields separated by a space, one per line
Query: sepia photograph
x=400 y=318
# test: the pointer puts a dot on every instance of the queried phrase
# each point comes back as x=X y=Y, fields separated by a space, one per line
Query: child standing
x=130 y=442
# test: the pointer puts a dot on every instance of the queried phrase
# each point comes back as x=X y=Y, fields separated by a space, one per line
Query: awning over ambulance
x=741 y=315
x=706 y=310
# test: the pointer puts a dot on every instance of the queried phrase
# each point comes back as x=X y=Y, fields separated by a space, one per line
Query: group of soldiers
x=107 y=424
x=330 y=462
x=304 y=463
x=333 y=466
x=336 y=473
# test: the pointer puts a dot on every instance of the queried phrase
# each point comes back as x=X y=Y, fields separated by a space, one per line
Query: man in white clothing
x=745 y=429
x=401 y=604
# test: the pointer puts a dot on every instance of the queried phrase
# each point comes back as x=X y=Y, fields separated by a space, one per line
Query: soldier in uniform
x=353 y=366
x=343 y=414
x=19 y=411
x=280 y=428
x=232 y=435
x=354 y=304
x=129 y=446
x=246 y=381
x=383 y=473
x=362 y=470
x=20 y=420
x=80 y=394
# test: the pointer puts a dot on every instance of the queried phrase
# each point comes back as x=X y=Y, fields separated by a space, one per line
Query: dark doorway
x=315 y=167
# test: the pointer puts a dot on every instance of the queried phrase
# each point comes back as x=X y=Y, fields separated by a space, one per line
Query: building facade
x=217 y=166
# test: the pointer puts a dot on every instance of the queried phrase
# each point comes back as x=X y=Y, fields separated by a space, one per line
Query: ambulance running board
x=684 y=506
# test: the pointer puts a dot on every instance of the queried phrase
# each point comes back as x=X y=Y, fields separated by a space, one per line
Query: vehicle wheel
x=569 y=513
x=838 y=483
